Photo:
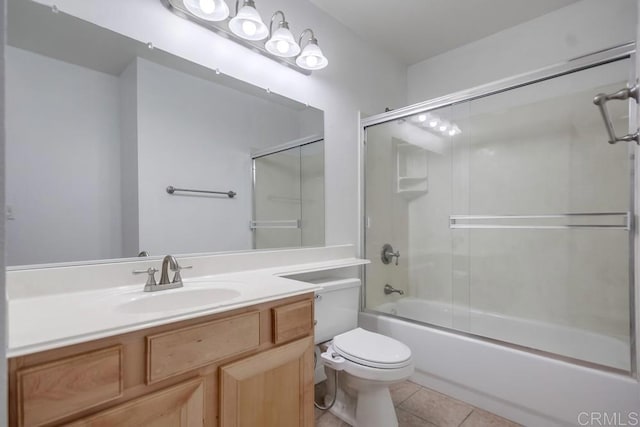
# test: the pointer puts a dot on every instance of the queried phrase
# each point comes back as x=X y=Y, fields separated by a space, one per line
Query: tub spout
x=388 y=290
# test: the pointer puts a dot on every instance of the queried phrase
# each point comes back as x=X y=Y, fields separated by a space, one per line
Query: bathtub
x=525 y=386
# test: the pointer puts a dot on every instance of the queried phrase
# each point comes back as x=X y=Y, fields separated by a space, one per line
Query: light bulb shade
x=311 y=57
x=282 y=43
x=248 y=24
x=209 y=10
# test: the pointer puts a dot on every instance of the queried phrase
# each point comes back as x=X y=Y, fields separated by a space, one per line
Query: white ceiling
x=414 y=30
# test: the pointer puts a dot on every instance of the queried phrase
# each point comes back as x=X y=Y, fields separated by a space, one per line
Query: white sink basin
x=178 y=299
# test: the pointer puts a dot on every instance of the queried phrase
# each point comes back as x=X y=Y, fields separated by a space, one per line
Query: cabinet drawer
x=57 y=389
x=292 y=321
x=179 y=351
x=181 y=405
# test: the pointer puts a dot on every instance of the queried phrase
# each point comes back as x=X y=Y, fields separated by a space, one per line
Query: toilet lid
x=371 y=349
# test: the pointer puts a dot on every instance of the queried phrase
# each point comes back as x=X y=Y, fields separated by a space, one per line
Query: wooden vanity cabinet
x=247 y=367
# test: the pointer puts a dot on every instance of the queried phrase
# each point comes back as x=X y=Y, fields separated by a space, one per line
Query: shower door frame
x=602 y=57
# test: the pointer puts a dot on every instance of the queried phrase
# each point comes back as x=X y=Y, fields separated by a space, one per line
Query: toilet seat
x=372 y=350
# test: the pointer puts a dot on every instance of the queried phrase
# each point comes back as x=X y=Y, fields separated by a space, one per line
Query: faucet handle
x=177 y=277
x=388 y=254
x=151 y=278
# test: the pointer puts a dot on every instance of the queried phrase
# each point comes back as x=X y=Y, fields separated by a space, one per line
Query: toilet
x=367 y=362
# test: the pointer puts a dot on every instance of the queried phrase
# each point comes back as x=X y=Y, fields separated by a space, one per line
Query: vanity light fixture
x=248 y=29
x=209 y=10
x=247 y=23
x=311 y=57
x=281 y=43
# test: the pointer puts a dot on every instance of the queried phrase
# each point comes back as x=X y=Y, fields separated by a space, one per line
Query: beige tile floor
x=418 y=406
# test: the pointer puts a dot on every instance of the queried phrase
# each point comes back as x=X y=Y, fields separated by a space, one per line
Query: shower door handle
x=601 y=101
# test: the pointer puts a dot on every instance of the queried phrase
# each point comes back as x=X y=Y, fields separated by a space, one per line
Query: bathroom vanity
x=233 y=347
x=250 y=366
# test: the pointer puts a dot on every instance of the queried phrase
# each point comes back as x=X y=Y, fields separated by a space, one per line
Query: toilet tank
x=336 y=307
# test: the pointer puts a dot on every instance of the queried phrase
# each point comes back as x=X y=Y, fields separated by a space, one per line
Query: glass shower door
x=540 y=220
x=512 y=215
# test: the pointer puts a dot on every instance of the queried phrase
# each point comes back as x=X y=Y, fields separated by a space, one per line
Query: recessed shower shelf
x=412 y=186
x=411 y=170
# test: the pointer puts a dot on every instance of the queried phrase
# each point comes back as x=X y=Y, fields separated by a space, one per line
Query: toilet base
x=344 y=408
x=363 y=405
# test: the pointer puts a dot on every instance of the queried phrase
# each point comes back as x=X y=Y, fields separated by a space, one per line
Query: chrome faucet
x=168 y=263
x=388 y=290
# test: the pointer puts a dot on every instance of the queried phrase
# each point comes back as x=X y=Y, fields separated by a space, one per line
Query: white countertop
x=52 y=320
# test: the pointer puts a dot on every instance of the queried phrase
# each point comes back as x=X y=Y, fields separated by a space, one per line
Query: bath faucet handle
x=177 y=278
x=388 y=254
x=397 y=255
x=391 y=254
x=151 y=278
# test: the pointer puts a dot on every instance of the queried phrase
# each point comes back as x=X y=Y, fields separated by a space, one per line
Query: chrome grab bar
x=601 y=101
x=285 y=223
x=627 y=223
x=171 y=189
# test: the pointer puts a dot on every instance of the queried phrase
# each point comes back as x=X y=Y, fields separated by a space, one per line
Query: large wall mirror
x=99 y=125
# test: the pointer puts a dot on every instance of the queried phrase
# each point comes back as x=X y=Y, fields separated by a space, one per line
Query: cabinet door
x=270 y=389
x=180 y=405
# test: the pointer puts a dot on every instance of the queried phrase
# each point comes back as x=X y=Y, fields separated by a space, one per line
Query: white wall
x=129 y=160
x=359 y=77
x=578 y=29
x=45 y=96
x=193 y=133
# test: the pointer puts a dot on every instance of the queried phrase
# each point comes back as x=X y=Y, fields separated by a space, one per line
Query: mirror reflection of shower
x=288 y=195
